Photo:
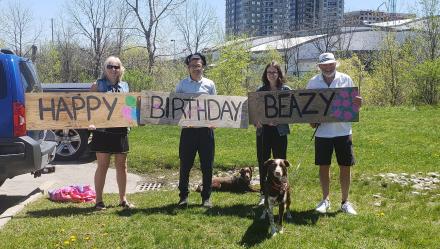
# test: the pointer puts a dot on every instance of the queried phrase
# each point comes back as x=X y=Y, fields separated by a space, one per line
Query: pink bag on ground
x=73 y=193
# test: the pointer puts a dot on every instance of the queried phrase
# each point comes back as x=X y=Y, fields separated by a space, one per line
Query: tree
x=390 y=83
x=93 y=20
x=149 y=20
x=231 y=69
x=195 y=23
x=430 y=32
x=17 y=28
x=426 y=77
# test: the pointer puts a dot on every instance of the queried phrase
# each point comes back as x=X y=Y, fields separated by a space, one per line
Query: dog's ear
x=269 y=162
x=286 y=163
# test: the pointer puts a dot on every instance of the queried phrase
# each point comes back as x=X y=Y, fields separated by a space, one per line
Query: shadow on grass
x=170 y=209
x=256 y=233
x=63 y=211
x=308 y=217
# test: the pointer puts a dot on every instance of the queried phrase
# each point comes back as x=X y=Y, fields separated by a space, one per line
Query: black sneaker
x=99 y=206
x=183 y=202
x=207 y=203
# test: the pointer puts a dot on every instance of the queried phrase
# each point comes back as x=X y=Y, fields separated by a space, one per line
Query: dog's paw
x=273 y=231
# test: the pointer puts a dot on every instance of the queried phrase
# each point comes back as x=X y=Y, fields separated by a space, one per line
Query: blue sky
x=44 y=10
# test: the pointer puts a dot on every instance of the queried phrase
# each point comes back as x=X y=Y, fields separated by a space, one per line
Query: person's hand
x=91 y=127
x=272 y=124
x=212 y=126
x=314 y=125
x=258 y=125
x=357 y=100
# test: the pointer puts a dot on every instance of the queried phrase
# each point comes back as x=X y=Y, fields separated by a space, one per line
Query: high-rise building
x=272 y=17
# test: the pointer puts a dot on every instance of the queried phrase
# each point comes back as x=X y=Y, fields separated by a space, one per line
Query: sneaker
x=183 y=202
x=126 y=205
x=99 y=206
x=207 y=203
x=348 y=208
x=323 y=206
x=261 y=202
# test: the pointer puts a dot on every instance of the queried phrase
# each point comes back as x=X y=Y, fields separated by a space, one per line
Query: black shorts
x=343 y=147
x=110 y=140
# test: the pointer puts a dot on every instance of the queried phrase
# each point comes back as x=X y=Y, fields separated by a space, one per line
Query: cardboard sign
x=303 y=106
x=197 y=110
x=79 y=110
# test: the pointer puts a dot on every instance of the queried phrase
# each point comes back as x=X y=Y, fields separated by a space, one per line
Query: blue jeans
x=193 y=140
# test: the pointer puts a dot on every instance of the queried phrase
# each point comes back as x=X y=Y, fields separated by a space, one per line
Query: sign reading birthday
x=196 y=110
x=79 y=110
x=303 y=106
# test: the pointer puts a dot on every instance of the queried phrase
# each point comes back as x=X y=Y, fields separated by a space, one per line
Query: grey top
x=283 y=129
x=189 y=85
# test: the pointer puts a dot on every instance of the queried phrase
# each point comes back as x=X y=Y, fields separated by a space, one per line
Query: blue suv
x=21 y=151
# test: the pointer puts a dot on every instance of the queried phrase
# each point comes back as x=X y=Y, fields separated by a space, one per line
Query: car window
x=29 y=78
x=3 y=86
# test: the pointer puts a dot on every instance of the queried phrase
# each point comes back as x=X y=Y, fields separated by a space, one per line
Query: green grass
x=386 y=140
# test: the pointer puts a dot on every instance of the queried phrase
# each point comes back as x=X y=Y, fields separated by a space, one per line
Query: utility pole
x=52 y=29
x=174 y=46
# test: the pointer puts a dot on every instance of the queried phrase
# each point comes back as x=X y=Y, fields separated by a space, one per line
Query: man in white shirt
x=333 y=136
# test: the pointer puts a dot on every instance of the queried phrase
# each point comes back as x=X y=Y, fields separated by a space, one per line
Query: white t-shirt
x=332 y=129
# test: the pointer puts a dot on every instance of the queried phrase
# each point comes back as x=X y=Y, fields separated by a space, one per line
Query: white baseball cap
x=326 y=58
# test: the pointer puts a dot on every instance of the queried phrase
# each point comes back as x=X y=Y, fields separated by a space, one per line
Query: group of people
x=271 y=138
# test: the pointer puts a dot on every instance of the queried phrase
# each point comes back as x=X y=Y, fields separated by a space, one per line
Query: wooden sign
x=198 y=110
x=303 y=106
x=79 y=110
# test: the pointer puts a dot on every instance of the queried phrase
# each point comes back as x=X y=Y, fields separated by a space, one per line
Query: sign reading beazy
x=303 y=106
x=79 y=110
x=198 y=110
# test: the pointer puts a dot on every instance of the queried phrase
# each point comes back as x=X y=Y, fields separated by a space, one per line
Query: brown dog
x=277 y=191
x=240 y=183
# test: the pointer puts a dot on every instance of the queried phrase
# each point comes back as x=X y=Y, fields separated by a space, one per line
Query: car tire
x=71 y=144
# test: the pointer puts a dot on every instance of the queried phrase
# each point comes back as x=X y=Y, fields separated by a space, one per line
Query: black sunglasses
x=113 y=67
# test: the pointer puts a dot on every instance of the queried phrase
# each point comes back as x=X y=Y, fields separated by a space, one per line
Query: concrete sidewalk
x=65 y=175
x=19 y=191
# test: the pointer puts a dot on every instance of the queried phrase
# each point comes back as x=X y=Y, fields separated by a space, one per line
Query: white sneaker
x=323 y=206
x=348 y=208
x=261 y=202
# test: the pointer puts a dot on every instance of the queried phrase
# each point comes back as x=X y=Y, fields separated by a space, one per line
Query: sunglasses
x=113 y=67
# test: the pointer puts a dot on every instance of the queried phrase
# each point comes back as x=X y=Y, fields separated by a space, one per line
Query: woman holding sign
x=111 y=141
x=271 y=138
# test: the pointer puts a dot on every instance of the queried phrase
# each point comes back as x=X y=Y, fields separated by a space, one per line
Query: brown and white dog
x=277 y=191
x=240 y=183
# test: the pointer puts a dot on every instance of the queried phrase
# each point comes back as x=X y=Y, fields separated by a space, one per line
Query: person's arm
x=357 y=100
x=94 y=87
x=213 y=90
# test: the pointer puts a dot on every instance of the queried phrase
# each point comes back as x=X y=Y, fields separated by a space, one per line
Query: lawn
x=391 y=215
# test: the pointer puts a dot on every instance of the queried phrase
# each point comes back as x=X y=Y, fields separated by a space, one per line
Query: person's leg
x=121 y=175
x=323 y=157
x=100 y=173
x=324 y=179
x=345 y=158
x=345 y=179
x=187 y=153
x=279 y=146
x=263 y=154
x=206 y=148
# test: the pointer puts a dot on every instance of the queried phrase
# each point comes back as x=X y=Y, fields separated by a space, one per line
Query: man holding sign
x=196 y=139
x=333 y=136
